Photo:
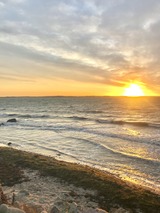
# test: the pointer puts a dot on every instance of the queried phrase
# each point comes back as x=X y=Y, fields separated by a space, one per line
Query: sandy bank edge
x=110 y=190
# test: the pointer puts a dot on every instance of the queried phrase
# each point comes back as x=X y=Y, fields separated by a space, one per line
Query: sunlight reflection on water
x=112 y=134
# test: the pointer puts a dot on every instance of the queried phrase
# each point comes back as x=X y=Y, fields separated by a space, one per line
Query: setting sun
x=133 y=90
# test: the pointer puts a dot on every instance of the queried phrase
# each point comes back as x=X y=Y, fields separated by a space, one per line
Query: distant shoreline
x=89 y=96
x=111 y=191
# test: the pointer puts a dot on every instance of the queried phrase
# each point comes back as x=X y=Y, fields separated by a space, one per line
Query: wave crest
x=134 y=123
x=78 y=118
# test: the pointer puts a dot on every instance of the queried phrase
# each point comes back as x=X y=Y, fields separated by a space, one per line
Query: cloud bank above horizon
x=91 y=45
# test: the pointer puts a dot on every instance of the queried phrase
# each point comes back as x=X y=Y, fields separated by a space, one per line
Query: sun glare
x=133 y=90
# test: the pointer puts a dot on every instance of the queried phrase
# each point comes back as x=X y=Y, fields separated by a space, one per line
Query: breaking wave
x=27 y=116
x=134 y=123
x=92 y=111
x=78 y=118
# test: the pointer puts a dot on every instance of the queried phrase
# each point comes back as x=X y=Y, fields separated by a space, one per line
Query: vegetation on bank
x=111 y=191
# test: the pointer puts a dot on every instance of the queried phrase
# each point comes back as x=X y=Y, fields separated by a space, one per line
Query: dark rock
x=54 y=209
x=6 y=208
x=9 y=144
x=12 y=120
x=2 y=124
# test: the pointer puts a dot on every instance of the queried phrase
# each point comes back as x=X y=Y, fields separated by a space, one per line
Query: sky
x=79 y=47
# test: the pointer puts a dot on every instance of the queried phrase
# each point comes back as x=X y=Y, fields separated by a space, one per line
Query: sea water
x=119 y=135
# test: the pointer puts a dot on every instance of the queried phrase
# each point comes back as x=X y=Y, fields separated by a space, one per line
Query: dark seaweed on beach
x=111 y=191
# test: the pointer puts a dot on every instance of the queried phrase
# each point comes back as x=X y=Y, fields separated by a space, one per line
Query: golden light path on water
x=119 y=135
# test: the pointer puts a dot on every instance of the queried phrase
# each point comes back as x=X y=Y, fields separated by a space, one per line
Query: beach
x=119 y=135
x=79 y=106
x=42 y=182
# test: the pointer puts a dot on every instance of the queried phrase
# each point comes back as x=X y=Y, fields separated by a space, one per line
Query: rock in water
x=12 y=120
x=9 y=144
x=6 y=209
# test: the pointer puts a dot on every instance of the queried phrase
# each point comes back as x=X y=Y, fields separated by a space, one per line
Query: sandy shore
x=43 y=193
x=47 y=194
x=44 y=183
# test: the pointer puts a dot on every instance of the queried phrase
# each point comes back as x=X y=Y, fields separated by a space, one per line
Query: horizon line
x=61 y=96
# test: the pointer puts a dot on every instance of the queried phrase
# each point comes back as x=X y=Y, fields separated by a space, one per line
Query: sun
x=133 y=90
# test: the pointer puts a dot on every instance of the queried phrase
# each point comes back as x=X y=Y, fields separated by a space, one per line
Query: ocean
x=119 y=135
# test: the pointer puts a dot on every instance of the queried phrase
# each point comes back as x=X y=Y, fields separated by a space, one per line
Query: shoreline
x=111 y=191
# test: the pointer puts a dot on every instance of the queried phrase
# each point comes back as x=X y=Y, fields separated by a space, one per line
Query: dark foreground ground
x=111 y=192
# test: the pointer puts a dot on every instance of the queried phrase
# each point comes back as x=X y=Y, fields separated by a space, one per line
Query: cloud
x=104 y=42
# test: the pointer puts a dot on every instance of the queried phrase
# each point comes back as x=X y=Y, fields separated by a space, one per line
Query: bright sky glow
x=133 y=90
